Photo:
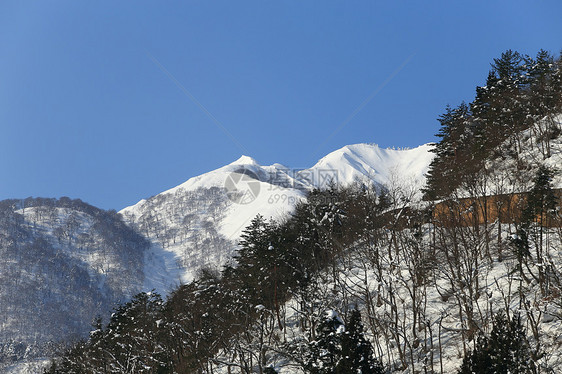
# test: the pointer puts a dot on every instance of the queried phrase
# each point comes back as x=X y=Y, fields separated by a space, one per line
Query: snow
x=278 y=190
x=98 y=264
x=359 y=281
x=503 y=181
x=27 y=367
x=370 y=163
x=245 y=160
x=496 y=285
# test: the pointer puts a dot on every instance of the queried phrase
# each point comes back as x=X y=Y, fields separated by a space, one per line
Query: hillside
x=64 y=263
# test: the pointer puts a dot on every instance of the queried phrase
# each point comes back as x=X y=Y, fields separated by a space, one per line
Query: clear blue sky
x=88 y=111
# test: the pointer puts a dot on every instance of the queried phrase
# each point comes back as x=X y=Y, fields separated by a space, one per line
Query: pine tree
x=357 y=352
x=509 y=67
x=506 y=351
x=541 y=208
x=341 y=349
x=542 y=201
x=325 y=352
x=544 y=98
x=454 y=152
x=256 y=262
x=500 y=107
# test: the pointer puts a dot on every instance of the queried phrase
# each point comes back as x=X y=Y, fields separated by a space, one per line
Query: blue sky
x=112 y=102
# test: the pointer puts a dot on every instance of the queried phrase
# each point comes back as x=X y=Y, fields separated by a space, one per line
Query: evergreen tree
x=132 y=335
x=541 y=205
x=541 y=202
x=506 y=351
x=326 y=351
x=541 y=208
x=509 y=67
x=454 y=152
x=545 y=89
x=357 y=352
x=341 y=349
x=500 y=107
x=256 y=262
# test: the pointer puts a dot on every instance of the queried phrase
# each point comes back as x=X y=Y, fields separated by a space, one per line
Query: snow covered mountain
x=63 y=263
x=370 y=163
x=197 y=224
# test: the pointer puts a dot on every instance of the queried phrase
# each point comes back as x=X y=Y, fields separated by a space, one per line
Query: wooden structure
x=505 y=208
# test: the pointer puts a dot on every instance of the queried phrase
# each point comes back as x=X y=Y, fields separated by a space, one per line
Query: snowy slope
x=271 y=181
x=369 y=162
x=503 y=179
x=197 y=224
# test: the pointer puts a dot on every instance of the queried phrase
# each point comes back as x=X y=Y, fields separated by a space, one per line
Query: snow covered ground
x=28 y=367
x=421 y=322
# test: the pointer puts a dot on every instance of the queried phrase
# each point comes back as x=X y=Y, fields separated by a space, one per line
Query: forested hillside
x=62 y=264
x=367 y=279
x=491 y=145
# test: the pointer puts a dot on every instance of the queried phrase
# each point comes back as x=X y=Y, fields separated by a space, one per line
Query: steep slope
x=197 y=224
x=370 y=163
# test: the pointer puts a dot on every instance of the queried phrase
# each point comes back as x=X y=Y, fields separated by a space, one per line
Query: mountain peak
x=245 y=160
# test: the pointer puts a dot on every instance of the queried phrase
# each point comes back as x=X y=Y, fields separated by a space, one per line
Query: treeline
x=521 y=93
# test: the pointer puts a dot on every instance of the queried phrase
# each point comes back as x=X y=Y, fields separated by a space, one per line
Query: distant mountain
x=62 y=264
x=370 y=163
x=197 y=224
